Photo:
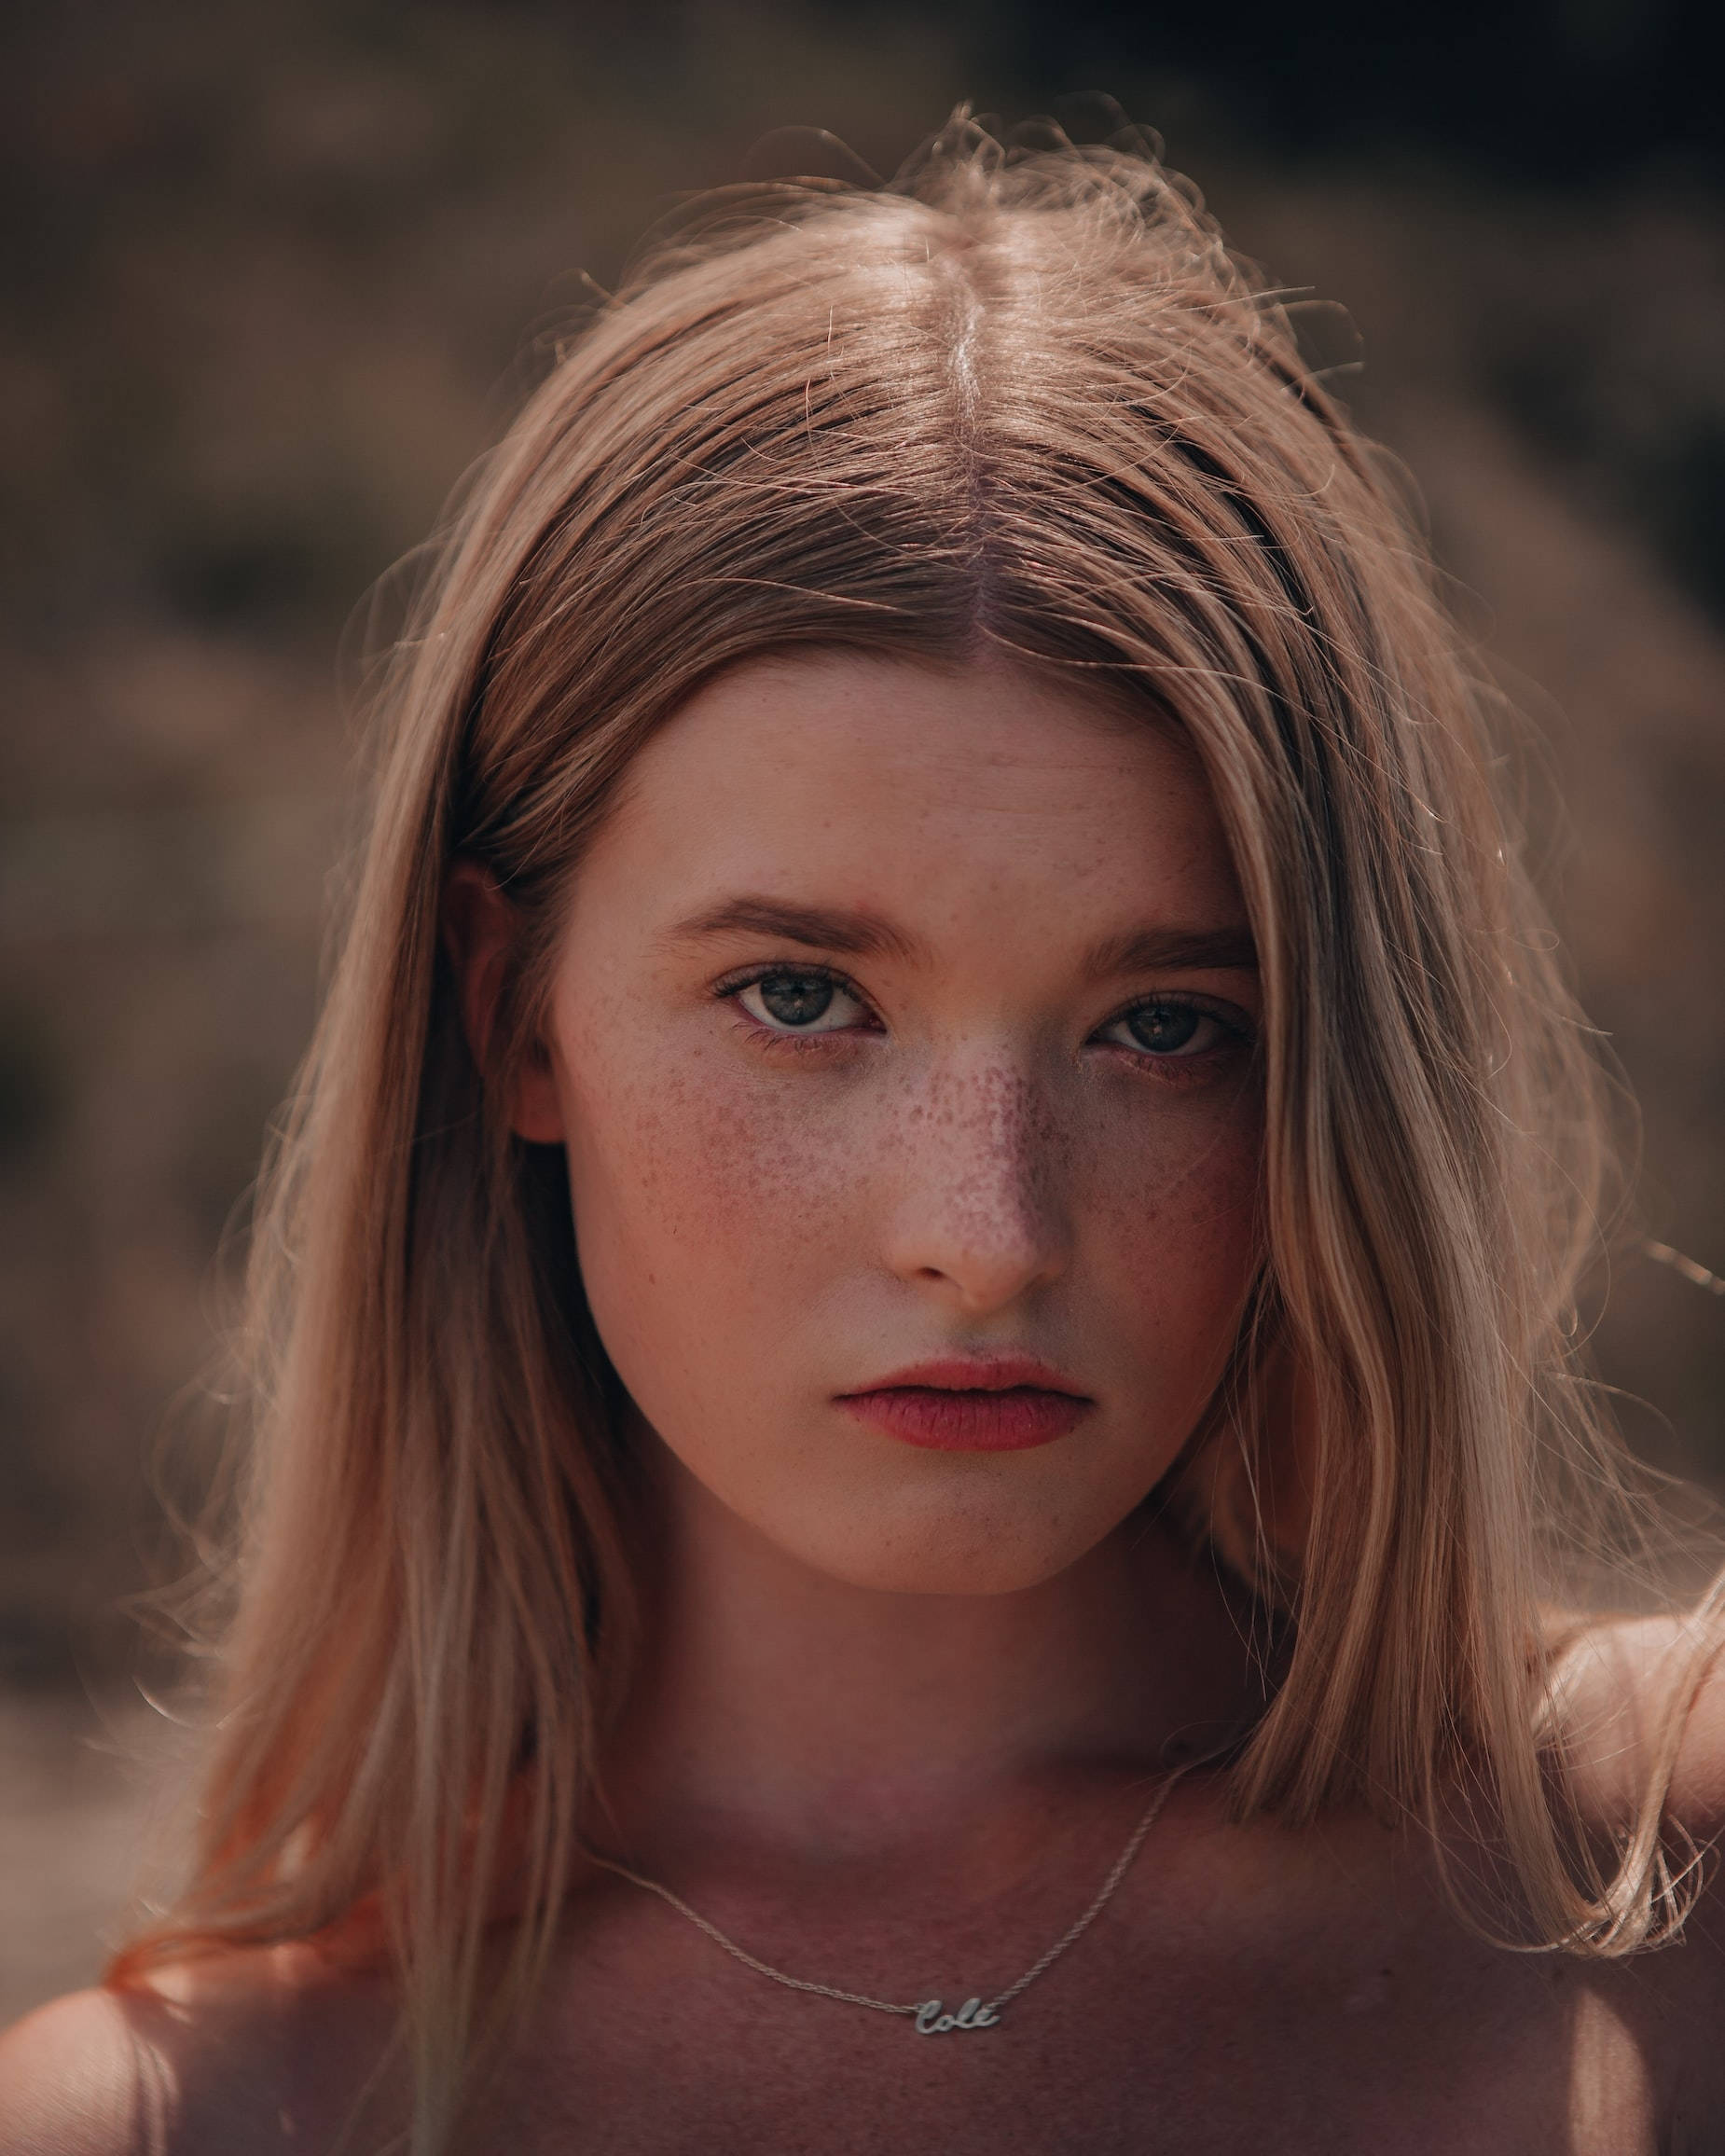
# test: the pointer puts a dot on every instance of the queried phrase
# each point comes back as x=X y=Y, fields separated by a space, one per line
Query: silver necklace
x=928 y=2016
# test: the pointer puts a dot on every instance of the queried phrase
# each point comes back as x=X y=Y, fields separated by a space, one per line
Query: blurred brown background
x=270 y=270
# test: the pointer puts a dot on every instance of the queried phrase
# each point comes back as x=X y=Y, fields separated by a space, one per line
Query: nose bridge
x=1001 y=1112
x=983 y=1206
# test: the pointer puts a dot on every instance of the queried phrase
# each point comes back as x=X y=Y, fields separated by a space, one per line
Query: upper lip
x=976 y=1373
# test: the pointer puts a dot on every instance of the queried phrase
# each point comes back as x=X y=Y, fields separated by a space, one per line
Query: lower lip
x=940 y=1420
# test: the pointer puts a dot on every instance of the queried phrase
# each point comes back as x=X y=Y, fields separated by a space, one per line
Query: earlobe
x=480 y=928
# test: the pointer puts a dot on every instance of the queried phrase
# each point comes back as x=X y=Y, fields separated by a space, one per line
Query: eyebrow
x=863 y=934
x=1173 y=950
x=817 y=928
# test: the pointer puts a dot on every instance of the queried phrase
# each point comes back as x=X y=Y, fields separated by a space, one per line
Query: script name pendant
x=972 y=2015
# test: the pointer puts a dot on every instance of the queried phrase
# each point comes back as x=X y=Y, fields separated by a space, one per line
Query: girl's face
x=902 y=1039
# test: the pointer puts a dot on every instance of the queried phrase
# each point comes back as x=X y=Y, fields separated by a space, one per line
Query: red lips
x=973 y=1403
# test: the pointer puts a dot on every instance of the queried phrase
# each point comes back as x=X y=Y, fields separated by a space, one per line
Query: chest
x=1173 y=2036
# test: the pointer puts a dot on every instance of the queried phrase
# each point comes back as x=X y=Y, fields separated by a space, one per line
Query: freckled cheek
x=1173 y=1227
x=692 y=1174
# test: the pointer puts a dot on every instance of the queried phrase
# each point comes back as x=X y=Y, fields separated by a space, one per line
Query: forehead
x=947 y=791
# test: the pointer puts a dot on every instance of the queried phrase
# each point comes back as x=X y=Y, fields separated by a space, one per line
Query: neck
x=778 y=1707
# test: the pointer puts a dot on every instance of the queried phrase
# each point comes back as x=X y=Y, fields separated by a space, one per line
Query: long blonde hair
x=1013 y=403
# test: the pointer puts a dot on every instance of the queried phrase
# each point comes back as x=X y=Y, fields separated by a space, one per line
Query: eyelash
x=1171 y=1069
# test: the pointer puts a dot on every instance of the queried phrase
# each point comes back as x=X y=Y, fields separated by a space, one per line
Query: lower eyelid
x=1227 y=1044
x=798 y=1043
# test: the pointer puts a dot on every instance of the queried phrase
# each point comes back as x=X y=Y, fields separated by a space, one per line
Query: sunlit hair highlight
x=1021 y=405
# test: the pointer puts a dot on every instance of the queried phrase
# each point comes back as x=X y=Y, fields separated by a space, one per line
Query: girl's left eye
x=1168 y=1029
x=791 y=1000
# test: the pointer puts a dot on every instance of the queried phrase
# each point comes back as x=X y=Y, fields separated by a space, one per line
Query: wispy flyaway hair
x=1019 y=405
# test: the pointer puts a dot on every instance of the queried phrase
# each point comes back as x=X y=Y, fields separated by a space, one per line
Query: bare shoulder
x=257 y=2051
x=1640 y=1699
x=73 y=2081
x=1641 y=1709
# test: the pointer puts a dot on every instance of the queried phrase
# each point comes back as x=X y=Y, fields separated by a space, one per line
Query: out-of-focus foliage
x=270 y=273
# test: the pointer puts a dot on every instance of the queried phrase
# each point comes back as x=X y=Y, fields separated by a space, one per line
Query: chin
x=957 y=1553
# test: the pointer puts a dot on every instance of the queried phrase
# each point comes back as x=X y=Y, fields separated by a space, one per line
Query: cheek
x=1174 y=1237
x=692 y=1181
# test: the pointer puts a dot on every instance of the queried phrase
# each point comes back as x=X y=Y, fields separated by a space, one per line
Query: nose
x=979 y=1213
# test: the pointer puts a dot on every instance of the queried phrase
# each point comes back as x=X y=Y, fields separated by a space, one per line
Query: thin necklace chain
x=1045 y=1961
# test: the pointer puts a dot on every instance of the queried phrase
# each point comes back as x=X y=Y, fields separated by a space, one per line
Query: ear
x=480 y=932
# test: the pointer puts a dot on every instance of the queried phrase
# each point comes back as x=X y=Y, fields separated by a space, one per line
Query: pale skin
x=902 y=1013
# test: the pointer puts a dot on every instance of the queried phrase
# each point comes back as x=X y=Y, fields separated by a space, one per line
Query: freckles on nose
x=984 y=1159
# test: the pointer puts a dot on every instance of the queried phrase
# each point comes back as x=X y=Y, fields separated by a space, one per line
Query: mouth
x=973 y=1403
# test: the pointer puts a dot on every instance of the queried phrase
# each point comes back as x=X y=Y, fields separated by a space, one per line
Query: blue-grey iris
x=1163 y=1027
x=795 y=999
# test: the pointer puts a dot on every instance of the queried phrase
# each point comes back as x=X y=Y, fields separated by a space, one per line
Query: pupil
x=796 y=999
x=1164 y=1026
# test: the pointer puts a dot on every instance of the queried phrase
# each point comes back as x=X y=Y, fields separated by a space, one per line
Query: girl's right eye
x=790 y=1000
